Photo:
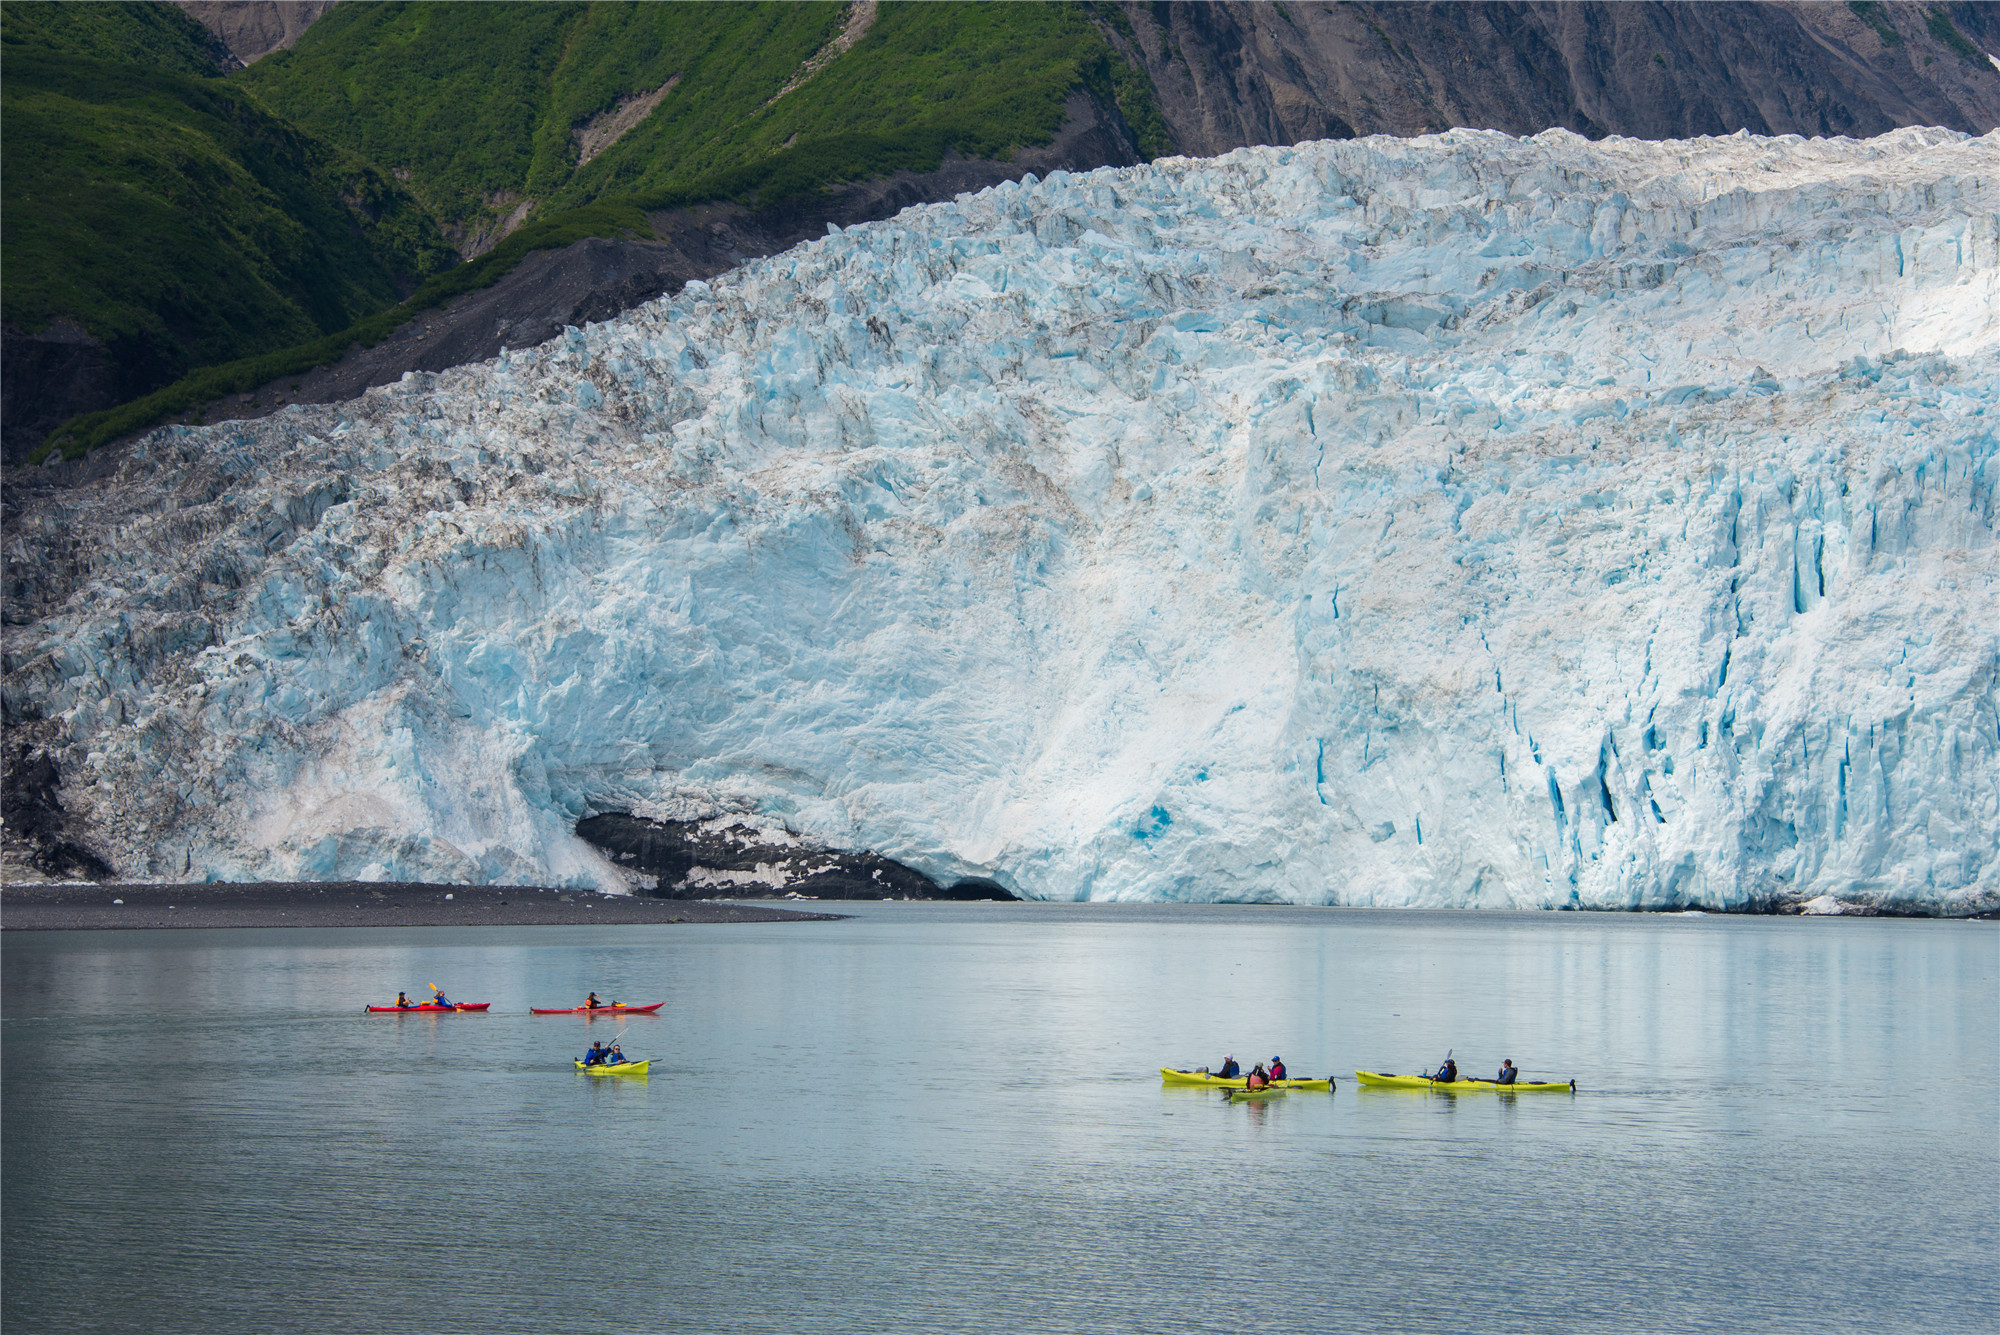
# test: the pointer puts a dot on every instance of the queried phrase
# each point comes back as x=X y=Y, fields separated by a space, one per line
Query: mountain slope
x=158 y=219
x=1456 y=521
x=1229 y=74
x=489 y=119
x=607 y=121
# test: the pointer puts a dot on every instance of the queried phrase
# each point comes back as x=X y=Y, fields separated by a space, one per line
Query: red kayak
x=428 y=1009
x=601 y=1010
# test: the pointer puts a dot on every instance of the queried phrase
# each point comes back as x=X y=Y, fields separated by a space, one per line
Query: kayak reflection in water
x=1230 y=1070
x=1257 y=1078
x=403 y=1003
x=1507 y=1072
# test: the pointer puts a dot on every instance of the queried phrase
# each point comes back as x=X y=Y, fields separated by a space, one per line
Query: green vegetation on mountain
x=160 y=37
x=480 y=114
x=1947 y=34
x=473 y=107
x=167 y=212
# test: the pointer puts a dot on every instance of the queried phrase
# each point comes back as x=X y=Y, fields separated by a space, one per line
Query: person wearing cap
x=1257 y=1079
x=591 y=1003
x=1447 y=1073
x=1230 y=1070
x=403 y=1003
x=1507 y=1072
x=594 y=1057
x=1277 y=1068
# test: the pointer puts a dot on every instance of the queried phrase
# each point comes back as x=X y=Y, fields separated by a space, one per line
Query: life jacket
x=1506 y=1077
x=1256 y=1081
x=1230 y=1070
x=1448 y=1073
x=1278 y=1071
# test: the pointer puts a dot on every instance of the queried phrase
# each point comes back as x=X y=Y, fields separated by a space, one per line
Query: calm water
x=949 y=1118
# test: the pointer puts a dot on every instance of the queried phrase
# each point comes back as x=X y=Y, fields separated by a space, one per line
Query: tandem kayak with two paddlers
x=615 y=1068
x=1380 y=1080
x=1170 y=1076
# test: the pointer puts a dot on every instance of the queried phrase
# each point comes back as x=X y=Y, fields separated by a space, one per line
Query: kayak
x=428 y=1009
x=619 y=1068
x=1169 y=1076
x=599 y=1010
x=1254 y=1095
x=1374 y=1080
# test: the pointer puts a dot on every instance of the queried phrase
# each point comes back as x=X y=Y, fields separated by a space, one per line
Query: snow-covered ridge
x=1452 y=521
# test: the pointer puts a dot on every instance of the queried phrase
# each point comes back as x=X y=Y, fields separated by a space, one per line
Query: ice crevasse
x=1452 y=521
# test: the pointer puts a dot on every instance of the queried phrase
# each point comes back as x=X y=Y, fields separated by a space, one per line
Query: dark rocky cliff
x=1228 y=75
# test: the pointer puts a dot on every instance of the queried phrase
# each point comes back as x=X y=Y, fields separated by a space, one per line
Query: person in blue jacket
x=1507 y=1073
x=615 y=1057
x=1230 y=1070
x=1447 y=1073
x=594 y=1057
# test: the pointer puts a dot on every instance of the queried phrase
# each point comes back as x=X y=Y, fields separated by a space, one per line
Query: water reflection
x=951 y=1118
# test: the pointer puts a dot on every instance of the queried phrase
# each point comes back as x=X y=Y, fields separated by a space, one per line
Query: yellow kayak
x=620 y=1068
x=1255 y=1095
x=1374 y=1080
x=1169 y=1076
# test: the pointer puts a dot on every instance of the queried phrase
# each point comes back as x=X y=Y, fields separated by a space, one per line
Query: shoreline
x=98 y=907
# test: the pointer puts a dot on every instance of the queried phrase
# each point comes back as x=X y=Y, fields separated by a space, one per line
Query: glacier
x=1455 y=521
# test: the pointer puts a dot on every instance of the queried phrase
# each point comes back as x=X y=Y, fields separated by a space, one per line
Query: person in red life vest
x=1257 y=1078
x=1277 y=1068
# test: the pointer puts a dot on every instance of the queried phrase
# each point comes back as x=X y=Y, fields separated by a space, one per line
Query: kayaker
x=440 y=999
x=403 y=1003
x=1257 y=1079
x=1277 y=1068
x=591 y=1003
x=1447 y=1073
x=594 y=1057
x=1507 y=1073
x=1230 y=1070
x=615 y=1057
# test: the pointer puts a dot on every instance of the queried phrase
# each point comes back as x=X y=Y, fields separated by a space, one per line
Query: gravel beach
x=51 y=908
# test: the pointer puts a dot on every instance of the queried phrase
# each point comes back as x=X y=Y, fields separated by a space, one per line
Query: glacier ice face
x=1452 y=521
